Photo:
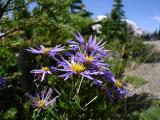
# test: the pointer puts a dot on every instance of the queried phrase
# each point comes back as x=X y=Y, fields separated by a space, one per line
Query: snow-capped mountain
x=137 y=31
x=132 y=26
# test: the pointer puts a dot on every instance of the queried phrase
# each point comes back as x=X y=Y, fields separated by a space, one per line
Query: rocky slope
x=151 y=73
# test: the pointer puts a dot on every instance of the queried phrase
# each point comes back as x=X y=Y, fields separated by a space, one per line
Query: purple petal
x=48 y=95
x=52 y=101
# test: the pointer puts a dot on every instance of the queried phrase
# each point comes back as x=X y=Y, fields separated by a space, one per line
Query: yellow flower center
x=45 y=68
x=101 y=69
x=89 y=59
x=41 y=103
x=118 y=84
x=46 y=51
x=77 y=67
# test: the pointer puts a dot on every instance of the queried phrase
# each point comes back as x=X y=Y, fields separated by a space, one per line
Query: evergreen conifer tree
x=78 y=7
x=117 y=13
x=114 y=27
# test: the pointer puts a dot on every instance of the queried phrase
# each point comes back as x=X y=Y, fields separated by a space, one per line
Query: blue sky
x=145 y=13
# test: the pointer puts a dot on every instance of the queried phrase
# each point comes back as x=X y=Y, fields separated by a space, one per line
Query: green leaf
x=10 y=114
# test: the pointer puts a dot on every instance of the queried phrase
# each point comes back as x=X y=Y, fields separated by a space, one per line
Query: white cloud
x=156 y=18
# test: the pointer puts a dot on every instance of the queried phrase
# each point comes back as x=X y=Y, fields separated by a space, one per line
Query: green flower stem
x=78 y=87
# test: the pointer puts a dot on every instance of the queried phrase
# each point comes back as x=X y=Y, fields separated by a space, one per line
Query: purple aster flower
x=118 y=84
x=89 y=46
x=120 y=94
x=118 y=91
x=80 y=39
x=42 y=72
x=108 y=76
x=43 y=100
x=115 y=92
x=85 y=58
x=47 y=51
x=73 y=45
x=93 y=45
x=2 y=82
x=76 y=68
x=95 y=63
x=93 y=60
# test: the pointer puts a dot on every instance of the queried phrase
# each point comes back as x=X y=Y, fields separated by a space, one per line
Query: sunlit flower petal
x=47 y=51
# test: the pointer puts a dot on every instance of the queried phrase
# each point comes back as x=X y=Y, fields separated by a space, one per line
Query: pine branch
x=8 y=32
x=27 y=23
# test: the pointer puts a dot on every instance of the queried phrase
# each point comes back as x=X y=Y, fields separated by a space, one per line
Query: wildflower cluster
x=85 y=59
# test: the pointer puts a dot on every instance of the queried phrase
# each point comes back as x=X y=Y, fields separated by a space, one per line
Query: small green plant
x=135 y=80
